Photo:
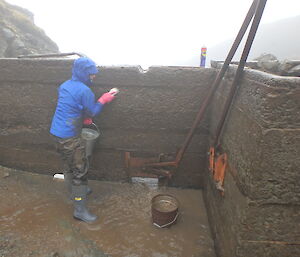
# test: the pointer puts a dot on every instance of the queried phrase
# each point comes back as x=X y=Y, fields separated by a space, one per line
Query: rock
x=3 y=47
x=16 y=48
x=19 y=35
x=266 y=57
x=289 y=68
x=8 y=34
x=18 y=44
x=268 y=62
x=284 y=67
x=295 y=71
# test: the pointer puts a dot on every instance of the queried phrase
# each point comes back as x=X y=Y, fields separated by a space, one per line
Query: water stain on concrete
x=36 y=220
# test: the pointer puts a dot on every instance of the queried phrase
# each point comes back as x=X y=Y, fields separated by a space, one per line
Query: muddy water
x=36 y=220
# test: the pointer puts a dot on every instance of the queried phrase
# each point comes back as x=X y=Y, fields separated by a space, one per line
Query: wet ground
x=36 y=220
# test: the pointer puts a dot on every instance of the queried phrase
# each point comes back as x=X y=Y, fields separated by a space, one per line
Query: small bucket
x=164 y=210
x=90 y=137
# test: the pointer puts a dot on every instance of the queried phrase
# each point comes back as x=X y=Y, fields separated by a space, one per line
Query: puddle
x=36 y=220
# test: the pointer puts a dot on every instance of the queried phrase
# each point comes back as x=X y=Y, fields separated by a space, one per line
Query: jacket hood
x=83 y=67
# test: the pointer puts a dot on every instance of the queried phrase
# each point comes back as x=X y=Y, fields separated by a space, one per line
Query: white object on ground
x=58 y=176
x=150 y=182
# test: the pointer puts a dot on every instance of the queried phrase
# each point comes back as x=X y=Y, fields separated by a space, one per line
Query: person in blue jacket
x=76 y=106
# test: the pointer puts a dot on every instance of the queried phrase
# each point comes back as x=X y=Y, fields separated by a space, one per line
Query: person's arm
x=91 y=108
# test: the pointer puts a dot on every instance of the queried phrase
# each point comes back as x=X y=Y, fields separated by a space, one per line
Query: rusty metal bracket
x=217 y=166
x=142 y=167
x=134 y=162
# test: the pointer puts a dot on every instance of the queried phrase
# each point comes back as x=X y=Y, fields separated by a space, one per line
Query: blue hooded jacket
x=75 y=100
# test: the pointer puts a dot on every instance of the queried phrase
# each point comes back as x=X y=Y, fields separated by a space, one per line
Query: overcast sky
x=145 y=32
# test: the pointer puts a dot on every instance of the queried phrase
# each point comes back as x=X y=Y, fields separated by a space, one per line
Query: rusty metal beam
x=238 y=75
x=217 y=81
x=51 y=55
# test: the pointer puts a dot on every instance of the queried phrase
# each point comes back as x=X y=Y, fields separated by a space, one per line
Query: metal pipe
x=217 y=81
x=258 y=14
x=51 y=55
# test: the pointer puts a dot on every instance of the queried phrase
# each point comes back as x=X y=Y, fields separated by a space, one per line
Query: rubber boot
x=80 y=210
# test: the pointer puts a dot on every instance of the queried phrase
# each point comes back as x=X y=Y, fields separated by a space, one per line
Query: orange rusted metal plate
x=219 y=172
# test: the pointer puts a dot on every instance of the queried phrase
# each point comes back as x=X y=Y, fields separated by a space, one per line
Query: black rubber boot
x=80 y=210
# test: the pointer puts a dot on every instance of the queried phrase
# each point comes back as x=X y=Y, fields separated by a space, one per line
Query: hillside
x=280 y=38
x=19 y=35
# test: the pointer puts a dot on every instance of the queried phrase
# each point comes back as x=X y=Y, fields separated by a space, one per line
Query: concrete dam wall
x=259 y=213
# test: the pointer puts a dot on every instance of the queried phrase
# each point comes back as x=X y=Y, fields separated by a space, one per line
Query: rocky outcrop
x=19 y=35
x=270 y=64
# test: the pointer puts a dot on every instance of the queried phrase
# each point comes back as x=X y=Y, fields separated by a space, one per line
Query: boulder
x=268 y=62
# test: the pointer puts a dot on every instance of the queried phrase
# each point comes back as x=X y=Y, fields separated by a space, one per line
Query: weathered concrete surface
x=36 y=220
x=262 y=137
x=152 y=113
x=260 y=213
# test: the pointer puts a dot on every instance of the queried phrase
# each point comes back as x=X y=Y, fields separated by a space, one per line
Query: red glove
x=87 y=121
x=106 y=98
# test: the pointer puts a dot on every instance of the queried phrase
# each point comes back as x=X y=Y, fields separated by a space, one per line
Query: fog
x=140 y=32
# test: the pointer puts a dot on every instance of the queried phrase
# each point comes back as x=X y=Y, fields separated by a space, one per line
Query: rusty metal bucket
x=164 y=210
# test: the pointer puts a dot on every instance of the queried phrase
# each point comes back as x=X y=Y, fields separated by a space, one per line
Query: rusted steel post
x=258 y=14
x=217 y=81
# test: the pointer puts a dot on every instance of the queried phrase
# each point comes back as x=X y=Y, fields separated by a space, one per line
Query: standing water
x=36 y=220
